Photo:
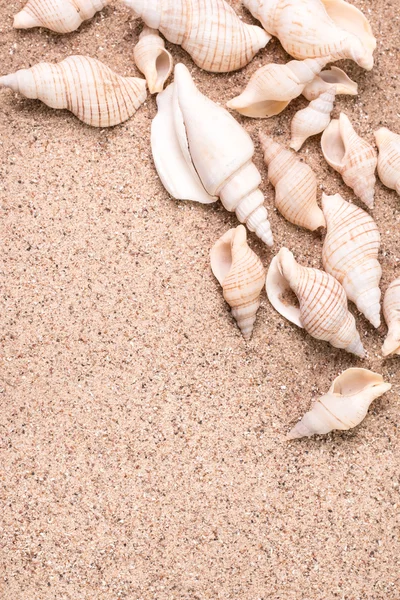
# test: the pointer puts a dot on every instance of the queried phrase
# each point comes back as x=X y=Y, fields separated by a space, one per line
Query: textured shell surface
x=210 y=31
x=312 y=120
x=61 y=16
x=389 y=158
x=344 y=406
x=326 y=79
x=391 y=312
x=295 y=185
x=241 y=275
x=152 y=58
x=351 y=156
x=323 y=311
x=201 y=152
x=315 y=28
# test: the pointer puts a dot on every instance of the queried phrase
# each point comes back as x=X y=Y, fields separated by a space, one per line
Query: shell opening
x=353 y=381
x=280 y=293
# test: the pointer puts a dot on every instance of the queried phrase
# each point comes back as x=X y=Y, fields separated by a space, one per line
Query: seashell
x=389 y=158
x=315 y=28
x=351 y=156
x=322 y=82
x=201 y=152
x=323 y=311
x=350 y=254
x=312 y=120
x=344 y=406
x=295 y=185
x=273 y=86
x=241 y=274
x=83 y=85
x=154 y=61
x=61 y=16
x=211 y=32
x=391 y=312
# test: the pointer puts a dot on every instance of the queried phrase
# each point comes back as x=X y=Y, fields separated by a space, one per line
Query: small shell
x=323 y=311
x=241 y=274
x=391 y=312
x=154 y=61
x=326 y=79
x=295 y=185
x=61 y=16
x=344 y=406
x=389 y=158
x=312 y=120
x=352 y=157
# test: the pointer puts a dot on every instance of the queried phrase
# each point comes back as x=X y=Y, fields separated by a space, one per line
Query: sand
x=143 y=440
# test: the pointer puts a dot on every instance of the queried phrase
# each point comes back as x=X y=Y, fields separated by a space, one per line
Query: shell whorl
x=391 y=312
x=312 y=120
x=389 y=158
x=61 y=16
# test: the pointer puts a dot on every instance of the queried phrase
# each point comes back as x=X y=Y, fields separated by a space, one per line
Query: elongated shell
x=210 y=31
x=273 y=86
x=83 y=85
x=295 y=185
x=154 y=61
x=312 y=120
x=61 y=16
x=350 y=254
x=389 y=158
x=326 y=79
x=344 y=406
x=201 y=153
x=391 y=312
x=311 y=28
x=352 y=157
x=323 y=311
x=241 y=274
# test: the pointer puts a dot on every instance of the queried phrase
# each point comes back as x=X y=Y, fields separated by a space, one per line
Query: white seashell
x=350 y=254
x=312 y=120
x=61 y=16
x=210 y=31
x=273 y=86
x=322 y=82
x=201 y=152
x=295 y=185
x=344 y=406
x=323 y=311
x=311 y=28
x=83 y=85
x=154 y=61
x=391 y=312
x=389 y=158
x=241 y=274
x=351 y=156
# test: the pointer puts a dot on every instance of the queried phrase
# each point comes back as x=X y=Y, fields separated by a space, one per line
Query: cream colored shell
x=312 y=120
x=326 y=79
x=389 y=158
x=61 y=16
x=344 y=406
x=83 y=85
x=154 y=61
x=391 y=312
x=241 y=275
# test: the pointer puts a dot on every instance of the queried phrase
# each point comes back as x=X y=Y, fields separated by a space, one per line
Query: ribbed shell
x=61 y=16
x=154 y=61
x=324 y=81
x=210 y=31
x=313 y=119
x=83 y=85
x=389 y=158
x=391 y=312
x=295 y=185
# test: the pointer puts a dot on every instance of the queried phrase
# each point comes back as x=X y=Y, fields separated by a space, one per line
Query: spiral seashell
x=352 y=157
x=323 y=311
x=273 y=86
x=350 y=254
x=210 y=31
x=312 y=120
x=344 y=406
x=326 y=79
x=201 y=152
x=391 y=312
x=295 y=185
x=389 y=158
x=241 y=274
x=61 y=16
x=315 y=28
x=83 y=85
x=154 y=61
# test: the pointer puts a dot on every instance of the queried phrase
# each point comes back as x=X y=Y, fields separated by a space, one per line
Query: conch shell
x=154 y=61
x=389 y=158
x=391 y=312
x=61 y=16
x=211 y=32
x=295 y=185
x=201 y=152
x=315 y=28
x=83 y=85
x=352 y=157
x=344 y=406
x=241 y=274
x=273 y=86
x=323 y=311
x=326 y=79
x=312 y=120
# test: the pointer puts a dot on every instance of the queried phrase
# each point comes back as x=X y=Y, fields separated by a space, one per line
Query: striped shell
x=61 y=16
x=312 y=120
x=322 y=82
x=154 y=61
x=389 y=158
x=391 y=312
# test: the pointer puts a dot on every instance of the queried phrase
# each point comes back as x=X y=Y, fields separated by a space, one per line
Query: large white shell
x=391 y=312
x=389 y=158
x=344 y=406
x=83 y=85
x=326 y=79
x=61 y=16
x=312 y=120
x=154 y=61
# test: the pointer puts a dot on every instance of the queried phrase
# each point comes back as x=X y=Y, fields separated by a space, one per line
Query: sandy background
x=142 y=440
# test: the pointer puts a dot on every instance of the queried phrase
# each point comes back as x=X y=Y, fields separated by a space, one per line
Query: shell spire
x=391 y=312
x=389 y=158
x=312 y=120
x=61 y=16
x=154 y=61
